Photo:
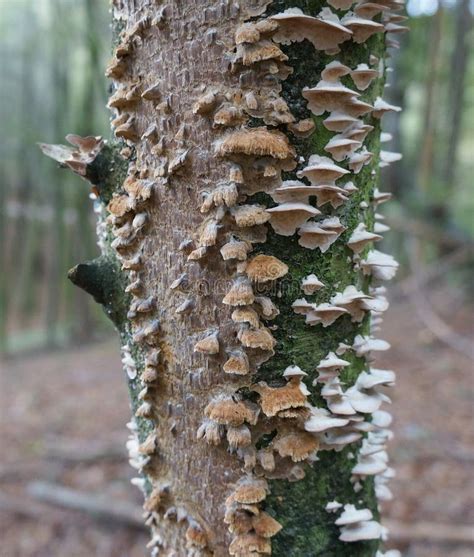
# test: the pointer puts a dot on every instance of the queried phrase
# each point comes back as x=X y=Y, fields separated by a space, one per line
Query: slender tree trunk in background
x=232 y=293
x=21 y=255
x=459 y=61
x=428 y=129
x=83 y=326
x=57 y=260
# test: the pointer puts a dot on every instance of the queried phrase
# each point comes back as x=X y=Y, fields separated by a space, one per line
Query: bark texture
x=228 y=342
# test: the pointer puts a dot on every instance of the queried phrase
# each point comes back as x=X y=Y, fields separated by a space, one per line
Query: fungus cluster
x=257 y=156
x=276 y=433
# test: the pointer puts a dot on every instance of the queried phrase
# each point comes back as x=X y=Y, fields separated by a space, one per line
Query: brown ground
x=80 y=397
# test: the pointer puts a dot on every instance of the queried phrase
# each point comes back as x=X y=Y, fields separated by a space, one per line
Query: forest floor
x=64 y=415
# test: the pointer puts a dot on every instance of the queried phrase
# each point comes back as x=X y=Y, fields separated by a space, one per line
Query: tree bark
x=200 y=272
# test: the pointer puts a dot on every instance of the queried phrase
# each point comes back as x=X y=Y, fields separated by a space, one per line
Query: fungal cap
x=227 y=411
x=298 y=445
x=325 y=32
x=326 y=314
x=321 y=170
x=208 y=345
x=294 y=371
x=237 y=363
x=368 y=10
x=240 y=294
x=265 y=525
x=250 y=545
x=257 y=142
x=320 y=234
x=361 y=28
x=120 y=205
x=247 y=33
x=322 y=420
x=332 y=362
x=252 y=53
x=351 y=515
x=329 y=96
x=311 y=284
x=246 y=315
x=303 y=128
x=341 y=148
x=363 y=76
x=370 y=530
x=286 y=218
x=381 y=265
x=360 y=237
x=338 y=121
x=257 y=338
x=235 y=249
x=250 y=215
x=334 y=70
x=293 y=190
x=195 y=536
x=239 y=436
x=249 y=491
x=276 y=399
x=302 y=306
x=267 y=309
x=381 y=107
x=265 y=268
x=333 y=506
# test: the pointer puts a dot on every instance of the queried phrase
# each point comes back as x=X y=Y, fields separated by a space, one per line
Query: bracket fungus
x=83 y=152
x=357 y=525
x=361 y=237
x=311 y=284
x=265 y=268
x=363 y=76
x=325 y=32
x=329 y=96
x=321 y=234
x=287 y=217
x=321 y=170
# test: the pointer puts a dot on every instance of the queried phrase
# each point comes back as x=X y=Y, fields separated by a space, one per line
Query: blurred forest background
x=53 y=57
x=53 y=83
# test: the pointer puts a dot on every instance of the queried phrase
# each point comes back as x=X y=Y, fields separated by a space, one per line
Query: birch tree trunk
x=237 y=263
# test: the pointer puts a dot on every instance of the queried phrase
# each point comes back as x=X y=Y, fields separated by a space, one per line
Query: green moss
x=108 y=172
x=103 y=279
x=308 y=529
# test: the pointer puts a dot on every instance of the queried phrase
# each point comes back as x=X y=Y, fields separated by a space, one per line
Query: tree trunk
x=207 y=272
x=459 y=62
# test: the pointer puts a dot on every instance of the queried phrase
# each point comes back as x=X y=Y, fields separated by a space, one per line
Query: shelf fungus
x=228 y=411
x=321 y=234
x=265 y=268
x=357 y=525
x=208 y=345
x=287 y=217
x=363 y=76
x=311 y=284
x=329 y=96
x=381 y=266
x=321 y=170
x=274 y=400
x=259 y=142
x=325 y=31
x=83 y=152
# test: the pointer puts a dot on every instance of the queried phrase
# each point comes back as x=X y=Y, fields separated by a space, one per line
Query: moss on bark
x=308 y=529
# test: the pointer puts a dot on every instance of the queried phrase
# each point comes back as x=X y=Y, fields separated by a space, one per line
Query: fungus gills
x=235 y=187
